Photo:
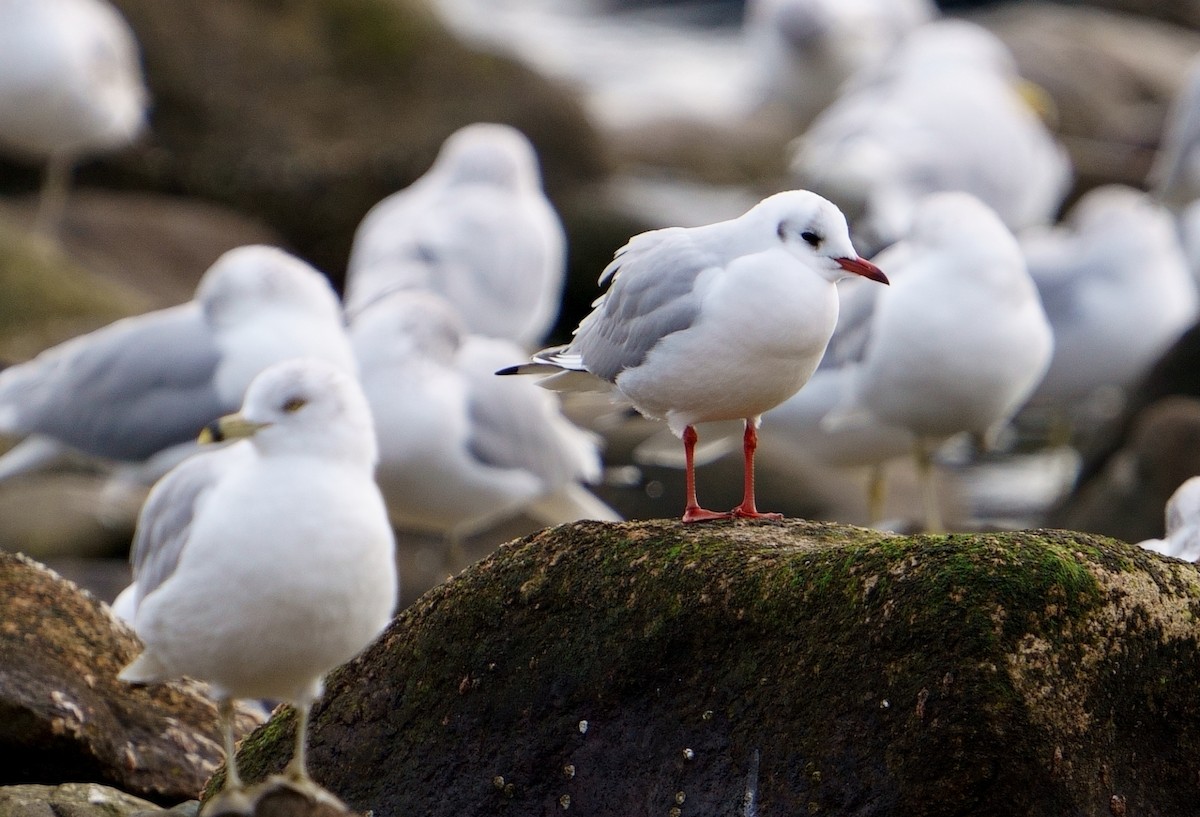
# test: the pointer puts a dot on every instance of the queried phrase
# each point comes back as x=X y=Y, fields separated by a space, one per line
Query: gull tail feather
x=572 y=503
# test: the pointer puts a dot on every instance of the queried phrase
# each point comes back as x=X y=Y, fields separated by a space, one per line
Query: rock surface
x=1125 y=497
x=70 y=800
x=794 y=668
x=1111 y=77
x=64 y=716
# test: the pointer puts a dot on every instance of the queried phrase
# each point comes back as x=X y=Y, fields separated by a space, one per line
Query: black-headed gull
x=70 y=85
x=460 y=448
x=944 y=112
x=720 y=322
x=476 y=229
x=1118 y=290
x=262 y=566
x=137 y=387
x=959 y=341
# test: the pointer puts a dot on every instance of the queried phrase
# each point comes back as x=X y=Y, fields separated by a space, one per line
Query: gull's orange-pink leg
x=747 y=510
x=693 y=512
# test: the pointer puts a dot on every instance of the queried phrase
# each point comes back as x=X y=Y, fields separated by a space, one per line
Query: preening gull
x=959 y=341
x=720 y=322
x=459 y=447
x=70 y=85
x=141 y=385
x=476 y=229
x=262 y=566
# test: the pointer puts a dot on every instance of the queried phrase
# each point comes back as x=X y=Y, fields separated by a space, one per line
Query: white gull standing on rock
x=1118 y=290
x=720 y=322
x=460 y=448
x=137 y=387
x=476 y=229
x=262 y=566
x=959 y=341
x=70 y=85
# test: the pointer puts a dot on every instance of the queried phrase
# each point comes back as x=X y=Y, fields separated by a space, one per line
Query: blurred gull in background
x=476 y=229
x=70 y=85
x=143 y=385
x=805 y=49
x=712 y=323
x=260 y=567
x=958 y=342
x=461 y=449
x=944 y=112
x=1118 y=291
x=1182 y=524
x=797 y=423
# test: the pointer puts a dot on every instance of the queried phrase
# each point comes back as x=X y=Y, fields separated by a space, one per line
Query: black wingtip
x=509 y=370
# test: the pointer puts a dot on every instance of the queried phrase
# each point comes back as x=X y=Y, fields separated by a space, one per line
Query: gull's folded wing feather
x=124 y=391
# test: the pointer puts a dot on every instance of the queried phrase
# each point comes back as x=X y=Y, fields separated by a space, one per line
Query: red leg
x=693 y=512
x=747 y=510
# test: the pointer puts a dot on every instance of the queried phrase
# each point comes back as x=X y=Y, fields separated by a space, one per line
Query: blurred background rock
x=283 y=122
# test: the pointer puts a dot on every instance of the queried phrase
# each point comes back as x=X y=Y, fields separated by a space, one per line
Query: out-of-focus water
x=631 y=66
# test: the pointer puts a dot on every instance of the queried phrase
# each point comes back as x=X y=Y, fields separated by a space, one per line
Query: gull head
x=246 y=280
x=305 y=406
x=963 y=224
x=489 y=154
x=814 y=230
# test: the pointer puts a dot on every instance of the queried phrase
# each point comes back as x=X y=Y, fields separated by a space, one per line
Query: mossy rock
x=774 y=669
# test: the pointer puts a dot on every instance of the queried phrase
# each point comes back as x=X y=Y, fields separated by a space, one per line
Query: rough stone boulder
x=64 y=716
x=652 y=668
x=306 y=113
x=71 y=800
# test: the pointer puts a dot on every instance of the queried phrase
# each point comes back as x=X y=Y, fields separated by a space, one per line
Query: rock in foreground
x=799 y=668
x=64 y=716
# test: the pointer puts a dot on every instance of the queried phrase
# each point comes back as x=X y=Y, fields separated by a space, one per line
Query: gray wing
x=125 y=391
x=516 y=424
x=166 y=518
x=652 y=295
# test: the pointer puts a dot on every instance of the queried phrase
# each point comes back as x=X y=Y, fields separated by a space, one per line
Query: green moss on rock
x=810 y=668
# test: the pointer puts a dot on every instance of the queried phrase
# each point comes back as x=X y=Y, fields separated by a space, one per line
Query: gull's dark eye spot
x=812 y=238
x=294 y=404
